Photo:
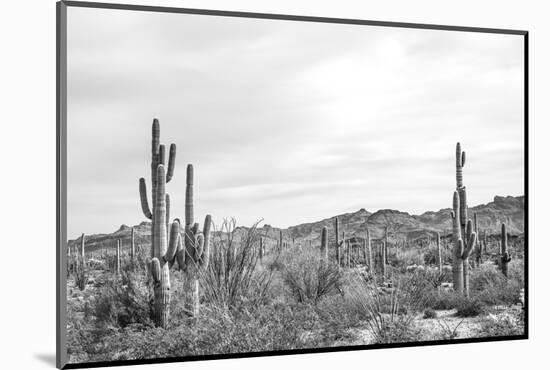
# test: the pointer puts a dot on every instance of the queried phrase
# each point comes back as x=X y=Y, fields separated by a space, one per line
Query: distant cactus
x=504 y=254
x=439 y=257
x=383 y=259
x=369 y=251
x=386 y=244
x=458 y=273
x=118 y=257
x=82 y=249
x=132 y=246
x=339 y=244
x=324 y=244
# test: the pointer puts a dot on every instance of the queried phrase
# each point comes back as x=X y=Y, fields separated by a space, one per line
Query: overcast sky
x=287 y=121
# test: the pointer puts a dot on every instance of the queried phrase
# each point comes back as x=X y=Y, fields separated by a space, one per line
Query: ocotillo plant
x=197 y=244
x=157 y=158
x=324 y=244
x=504 y=254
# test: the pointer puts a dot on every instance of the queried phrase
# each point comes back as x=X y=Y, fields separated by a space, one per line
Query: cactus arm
x=143 y=196
x=180 y=254
x=161 y=157
x=463 y=158
x=167 y=213
x=171 y=163
x=173 y=243
x=189 y=211
x=469 y=246
x=155 y=270
x=206 y=234
x=199 y=247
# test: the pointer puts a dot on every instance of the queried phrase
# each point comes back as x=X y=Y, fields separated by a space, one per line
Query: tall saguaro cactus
x=461 y=266
x=369 y=251
x=197 y=244
x=458 y=273
x=504 y=255
x=460 y=161
x=157 y=159
x=162 y=250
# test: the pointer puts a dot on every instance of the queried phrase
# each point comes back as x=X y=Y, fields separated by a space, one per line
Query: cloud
x=289 y=121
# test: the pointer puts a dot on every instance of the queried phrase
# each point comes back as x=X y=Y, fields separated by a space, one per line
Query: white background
x=27 y=82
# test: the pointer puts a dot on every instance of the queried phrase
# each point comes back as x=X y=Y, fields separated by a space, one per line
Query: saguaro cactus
x=458 y=273
x=504 y=255
x=471 y=237
x=460 y=161
x=197 y=244
x=157 y=158
x=164 y=252
x=439 y=257
x=82 y=247
x=339 y=244
x=386 y=244
x=324 y=244
x=118 y=257
x=383 y=259
x=369 y=251
x=132 y=246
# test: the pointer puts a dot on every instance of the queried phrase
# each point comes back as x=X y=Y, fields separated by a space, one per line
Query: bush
x=502 y=325
x=469 y=307
x=443 y=300
x=122 y=301
x=490 y=286
x=429 y=314
x=231 y=276
x=309 y=278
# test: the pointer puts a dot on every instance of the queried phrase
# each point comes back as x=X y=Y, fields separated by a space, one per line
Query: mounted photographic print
x=238 y=184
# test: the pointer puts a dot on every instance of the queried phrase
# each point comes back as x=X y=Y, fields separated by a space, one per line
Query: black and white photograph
x=249 y=185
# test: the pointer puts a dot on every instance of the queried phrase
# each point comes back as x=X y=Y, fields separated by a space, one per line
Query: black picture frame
x=61 y=173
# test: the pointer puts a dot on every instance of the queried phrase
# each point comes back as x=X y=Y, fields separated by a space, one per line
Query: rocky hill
x=401 y=225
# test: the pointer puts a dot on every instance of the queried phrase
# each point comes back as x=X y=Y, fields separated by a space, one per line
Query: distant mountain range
x=509 y=210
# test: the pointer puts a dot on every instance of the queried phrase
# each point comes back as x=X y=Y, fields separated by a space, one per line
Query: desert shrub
x=309 y=278
x=504 y=324
x=387 y=311
x=431 y=257
x=248 y=329
x=449 y=331
x=231 y=275
x=491 y=287
x=429 y=313
x=408 y=257
x=122 y=301
x=469 y=307
x=443 y=300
